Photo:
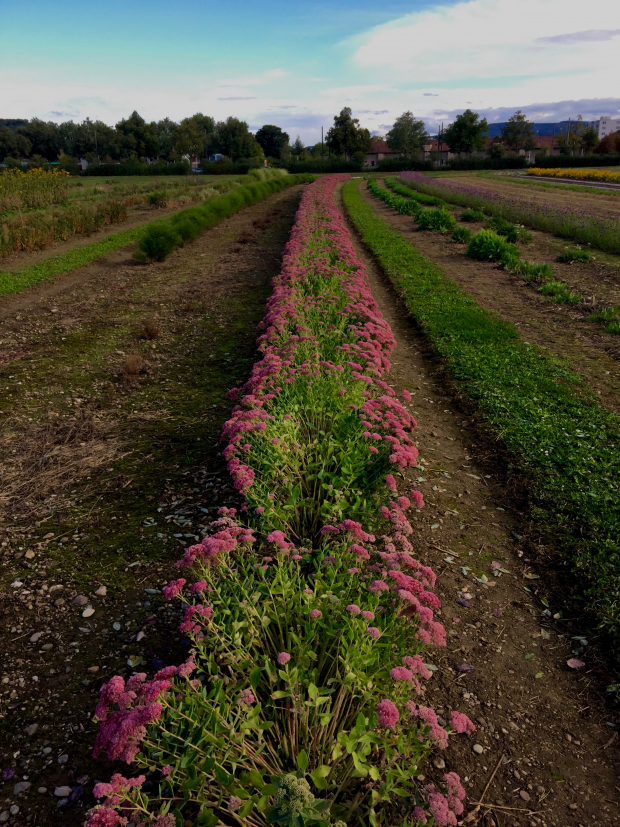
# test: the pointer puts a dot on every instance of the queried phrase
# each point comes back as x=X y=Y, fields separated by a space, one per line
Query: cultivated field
x=395 y=538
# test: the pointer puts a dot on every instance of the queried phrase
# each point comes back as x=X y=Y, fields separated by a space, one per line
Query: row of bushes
x=594 y=160
x=560 y=435
x=165 y=235
x=136 y=168
x=309 y=622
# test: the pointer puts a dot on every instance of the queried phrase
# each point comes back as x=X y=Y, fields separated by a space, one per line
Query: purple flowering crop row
x=309 y=622
x=583 y=225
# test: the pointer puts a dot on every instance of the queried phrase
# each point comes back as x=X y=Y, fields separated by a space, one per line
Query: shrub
x=436 y=218
x=560 y=292
x=489 y=246
x=158 y=199
x=265 y=174
x=404 y=206
x=159 y=241
x=462 y=235
x=605 y=314
x=571 y=254
x=472 y=215
x=511 y=232
x=613 y=327
x=532 y=271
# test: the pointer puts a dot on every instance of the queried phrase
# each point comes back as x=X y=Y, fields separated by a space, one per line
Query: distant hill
x=495 y=129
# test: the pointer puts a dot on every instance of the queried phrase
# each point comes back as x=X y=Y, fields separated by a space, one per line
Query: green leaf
x=319 y=776
x=255 y=676
x=302 y=760
x=246 y=808
x=313 y=692
x=374 y=773
x=256 y=779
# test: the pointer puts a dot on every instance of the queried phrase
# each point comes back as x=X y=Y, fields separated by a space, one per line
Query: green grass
x=560 y=292
x=558 y=433
x=570 y=254
x=217 y=208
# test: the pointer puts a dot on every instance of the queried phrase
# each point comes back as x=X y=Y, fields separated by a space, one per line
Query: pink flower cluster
x=446 y=808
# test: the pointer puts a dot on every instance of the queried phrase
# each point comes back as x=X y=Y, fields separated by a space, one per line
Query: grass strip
x=560 y=435
x=16 y=281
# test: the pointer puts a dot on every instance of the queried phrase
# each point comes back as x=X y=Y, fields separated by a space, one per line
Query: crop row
x=19 y=190
x=558 y=432
x=583 y=226
x=302 y=701
x=578 y=174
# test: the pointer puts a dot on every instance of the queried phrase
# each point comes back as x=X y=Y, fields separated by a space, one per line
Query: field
x=403 y=424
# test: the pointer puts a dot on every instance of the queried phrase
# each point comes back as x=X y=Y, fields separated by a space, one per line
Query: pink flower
x=315 y=613
x=260 y=509
x=419 y=815
x=234 y=803
x=378 y=586
x=417 y=666
x=368 y=615
x=353 y=609
x=104 y=817
x=165 y=771
x=284 y=657
x=388 y=714
x=406 y=395
x=297 y=557
x=460 y=723
x=391 y=482
x=173 y=588
x=200 y=586
x=353 y=571
x=400 y=673
x=373 y=632
x=246 y=698
x=417 y=498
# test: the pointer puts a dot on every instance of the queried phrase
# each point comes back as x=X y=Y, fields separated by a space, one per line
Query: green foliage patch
x=558 y=432
x=489 y=246
x=436 y=218
x=571 y=254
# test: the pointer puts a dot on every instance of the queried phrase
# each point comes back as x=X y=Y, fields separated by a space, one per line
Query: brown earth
x=564 y=330
x=605 y=204
x=123 y=469
x=548 y=755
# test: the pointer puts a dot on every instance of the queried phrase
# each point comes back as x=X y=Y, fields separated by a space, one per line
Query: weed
x=605 y=314
x=614 y=328
x=132 y=365
x=533 y=271
x=571 y=254
x=489 y=246
x=158 y=199
x=150 y=328
x=560 y=292
x=462 y=235
x=436 y=218
x=472 y=215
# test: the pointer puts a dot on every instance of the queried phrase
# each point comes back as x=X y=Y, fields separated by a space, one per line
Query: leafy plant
x=571 y=254
x=436 y=218
x=560 y=292
x=462 y=235
x=605 y=314
x=472 y=215
x=158 y=198
x=534 y=271
x=489 y=246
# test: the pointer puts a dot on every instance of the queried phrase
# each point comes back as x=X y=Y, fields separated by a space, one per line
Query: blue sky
x=297 y=64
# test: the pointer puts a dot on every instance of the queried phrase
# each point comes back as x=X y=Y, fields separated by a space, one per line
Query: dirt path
x=564 y=331
x=123 y=469
x=603 y=204
x=542 y=725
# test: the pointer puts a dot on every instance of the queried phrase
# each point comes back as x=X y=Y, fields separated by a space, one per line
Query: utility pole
x=321 y=142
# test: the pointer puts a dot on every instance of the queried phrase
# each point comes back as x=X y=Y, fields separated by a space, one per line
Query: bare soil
x=108 y=472
x=548 y=755
x=564 y=330
x=604 y=204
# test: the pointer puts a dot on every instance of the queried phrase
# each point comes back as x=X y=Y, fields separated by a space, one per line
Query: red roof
x=380 y=146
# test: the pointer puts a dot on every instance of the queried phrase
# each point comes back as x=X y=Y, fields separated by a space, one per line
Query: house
x=378 y=151
x=440 y=151
x=216 y=156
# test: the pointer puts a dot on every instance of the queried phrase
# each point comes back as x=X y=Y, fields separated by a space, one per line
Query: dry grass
x=40 y=460
x=132 y=365
x=150 y=328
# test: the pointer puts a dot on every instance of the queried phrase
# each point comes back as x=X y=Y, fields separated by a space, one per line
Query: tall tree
x=44 y=137
x=206 y=125
x=272 y=139
x=166 y=130
x=12 y=145
x=518 y=132
x=466 y=134
x=298 y=147
x=233 y=139
x=346 y=136
x=138 y=138
x=589 y=138
x=189 y=139
x=407 y=135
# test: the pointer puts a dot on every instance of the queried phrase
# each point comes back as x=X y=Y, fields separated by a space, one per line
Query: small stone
x=42 y=790
x=478 y=749
x=89 y=612
x=47 y=646
x=101 y=591
x=49 y=535
x=63 y=759
x=4 y=816
x=14 y=810
x=572 y=806
x=31 y=730
x=439 y=763
x=16 y=584
x=35 y=637
x=47 y=750
x=524 y=795
x=93 y=669
x=29 y=554
x=59 y=602
x=116 y=626
x=139 y=636
x=21 y=787
x=62 y=792
x=80 y=600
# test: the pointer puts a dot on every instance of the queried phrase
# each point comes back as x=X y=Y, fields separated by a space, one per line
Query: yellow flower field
x=579 y=174
x=35 y=188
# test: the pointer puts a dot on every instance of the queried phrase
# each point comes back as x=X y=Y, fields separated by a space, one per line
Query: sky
x=296 y=64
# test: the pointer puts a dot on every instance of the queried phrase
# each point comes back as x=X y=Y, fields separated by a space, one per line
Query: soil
x=549 y=755
x=604 y=204
x=122 y=467
x=562 y=329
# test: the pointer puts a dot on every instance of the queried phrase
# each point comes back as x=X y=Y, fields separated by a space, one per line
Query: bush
x=403 y=164
x=136 y=168
x=158 y=199
x=265 y=174
x=472 y=215
x=605 y=314
x=560 y=292
x=436 y=218
x=532 y=271
x=571 y=254
x=510 y=231
x=489 y=246
x=462 y=235
x=159 y=241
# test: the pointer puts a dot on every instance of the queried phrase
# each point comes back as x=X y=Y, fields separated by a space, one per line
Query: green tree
x=518 y=132
x=466 y=134
x=271 y=138
x=12 y=144
x=138 y=138
x=497 y=150
x=407 y=135
x=568 y=141
x=346 y=136
x=233 y=139
x=589 y=139
x=189 y=139
x=166 y=131
x=44 y=137
x=298 y=148
x=206 y=125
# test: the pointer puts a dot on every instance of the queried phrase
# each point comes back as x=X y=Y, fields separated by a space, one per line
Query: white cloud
x=537 y=48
